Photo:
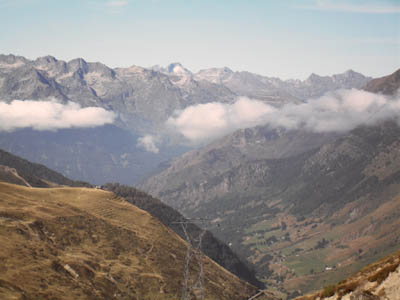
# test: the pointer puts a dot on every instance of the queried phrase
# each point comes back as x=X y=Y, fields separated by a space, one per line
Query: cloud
x=204 y=122
x=338 y=111
x=368 y=8
x=149 y=143
x=117 y=3
x=50 y=115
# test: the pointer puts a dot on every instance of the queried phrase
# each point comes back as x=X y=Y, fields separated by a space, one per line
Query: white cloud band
x=340 y=111
x=203 y=122
x=50 y=115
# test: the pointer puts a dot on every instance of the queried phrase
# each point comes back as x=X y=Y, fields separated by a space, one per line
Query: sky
x=276 y=38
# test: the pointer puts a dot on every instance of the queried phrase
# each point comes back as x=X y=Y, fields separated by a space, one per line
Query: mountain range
x=143 y=99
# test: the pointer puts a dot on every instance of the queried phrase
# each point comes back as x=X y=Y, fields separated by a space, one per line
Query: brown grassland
x=81 y=243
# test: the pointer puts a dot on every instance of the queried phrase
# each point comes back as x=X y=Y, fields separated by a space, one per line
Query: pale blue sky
x=287 y=39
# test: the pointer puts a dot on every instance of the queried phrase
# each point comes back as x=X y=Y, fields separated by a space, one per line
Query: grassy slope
x=80 y=243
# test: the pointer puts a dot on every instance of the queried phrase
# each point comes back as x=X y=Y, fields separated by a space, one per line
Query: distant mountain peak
x=46 y=59
x=214 y=75
x=11 y=59
x=350 y=71
x=78 y=61
x=76 y=64
x=313 y=76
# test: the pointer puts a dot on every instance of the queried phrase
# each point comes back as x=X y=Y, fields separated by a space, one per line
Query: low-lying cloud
x=148 y=143
x=338 y=111
x=203 y=122
x=50 y=115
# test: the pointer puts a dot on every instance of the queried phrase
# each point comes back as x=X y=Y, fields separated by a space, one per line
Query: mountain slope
x=302 y=212
x=387 y=85
x=87 y=244
x=223 y=166
x=15 y=170
x=19 y=170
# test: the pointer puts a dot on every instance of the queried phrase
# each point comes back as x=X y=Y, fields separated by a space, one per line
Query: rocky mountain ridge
x=151 y=94
x=262 y=87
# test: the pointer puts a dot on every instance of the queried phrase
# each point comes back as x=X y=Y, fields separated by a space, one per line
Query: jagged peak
x=313 y=77
x=78 y=63
x=349 y=73
x=12 y=59
x=47 y=58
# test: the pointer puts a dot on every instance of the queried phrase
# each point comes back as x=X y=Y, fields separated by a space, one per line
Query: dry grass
x=79 y=243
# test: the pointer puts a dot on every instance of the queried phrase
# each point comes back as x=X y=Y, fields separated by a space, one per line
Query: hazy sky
x=287 y=39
